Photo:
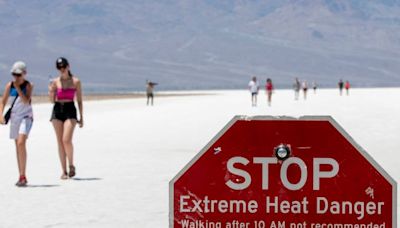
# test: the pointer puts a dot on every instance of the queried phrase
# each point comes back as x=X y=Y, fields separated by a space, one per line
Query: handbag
x=7 y=116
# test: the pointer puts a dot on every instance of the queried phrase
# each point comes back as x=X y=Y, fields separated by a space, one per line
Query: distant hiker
x=304 y=86
x=347 y=87
x=269 y=87
x=254 y=87
x=64 y=118
x=314 y=85
x=296 y=87
x=340 y=84
x=150 y=91
x=19 y=115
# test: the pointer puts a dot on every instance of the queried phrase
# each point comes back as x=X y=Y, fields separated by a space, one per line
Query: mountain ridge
x=204 y=44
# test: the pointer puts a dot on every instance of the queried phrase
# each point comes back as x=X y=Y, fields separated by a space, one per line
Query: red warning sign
x=282 y=172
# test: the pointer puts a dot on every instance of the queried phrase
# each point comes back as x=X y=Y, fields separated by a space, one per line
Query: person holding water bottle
x=62 y=92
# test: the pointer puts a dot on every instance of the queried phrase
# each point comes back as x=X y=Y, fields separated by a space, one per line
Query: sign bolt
x=282 y=151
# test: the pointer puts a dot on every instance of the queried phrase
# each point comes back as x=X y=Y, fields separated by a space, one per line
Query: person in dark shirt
x=340 y=84
x=150 y=91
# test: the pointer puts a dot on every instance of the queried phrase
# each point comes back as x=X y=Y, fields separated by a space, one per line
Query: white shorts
x=20 y=127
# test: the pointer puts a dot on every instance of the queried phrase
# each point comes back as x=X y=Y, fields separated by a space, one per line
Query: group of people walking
x=254 y=87
x=298 y=86
x=63 y=91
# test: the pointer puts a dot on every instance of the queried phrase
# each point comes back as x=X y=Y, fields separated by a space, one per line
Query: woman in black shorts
x=62 y=92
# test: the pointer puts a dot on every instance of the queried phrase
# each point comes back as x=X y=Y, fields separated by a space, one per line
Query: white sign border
x=363 y=152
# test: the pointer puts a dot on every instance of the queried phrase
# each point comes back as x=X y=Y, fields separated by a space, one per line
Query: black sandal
x=71 y=171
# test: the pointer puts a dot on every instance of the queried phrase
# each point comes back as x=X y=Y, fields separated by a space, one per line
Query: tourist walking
x=18 y=93
x=150 y=91
x=269 y=87
x=340 y=85
x=62 y=92
x=296 y=87
x=304 y=86
x=347 y=87
x=254 y=87
x=314 y=85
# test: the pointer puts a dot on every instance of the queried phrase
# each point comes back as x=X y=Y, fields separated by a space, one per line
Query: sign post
x=282 y=172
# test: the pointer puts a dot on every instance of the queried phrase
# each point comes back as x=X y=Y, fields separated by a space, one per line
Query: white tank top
x=19 y=110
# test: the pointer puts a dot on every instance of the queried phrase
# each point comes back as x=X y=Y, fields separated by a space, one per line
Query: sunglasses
x=16 y=75
x=61 y=67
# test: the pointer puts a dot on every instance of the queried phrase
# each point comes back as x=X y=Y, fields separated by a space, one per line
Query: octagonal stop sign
x=282 y=172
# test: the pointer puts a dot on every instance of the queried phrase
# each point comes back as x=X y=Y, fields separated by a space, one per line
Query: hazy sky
x=116 y=46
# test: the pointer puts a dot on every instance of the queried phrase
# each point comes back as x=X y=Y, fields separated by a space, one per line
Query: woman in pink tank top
x=62 y=92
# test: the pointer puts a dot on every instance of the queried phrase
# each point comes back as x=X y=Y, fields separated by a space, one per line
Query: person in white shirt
x=254 y=87
x=18 y=93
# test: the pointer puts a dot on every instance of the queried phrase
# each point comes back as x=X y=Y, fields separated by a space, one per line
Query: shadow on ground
x=42 y=185
x=86 y=178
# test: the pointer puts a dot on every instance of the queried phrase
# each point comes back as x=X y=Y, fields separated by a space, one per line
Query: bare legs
x=150 y=97
x=296 y=94
x=20 y=145
x=64 y=133
x=253 y=99
x=269 y=95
